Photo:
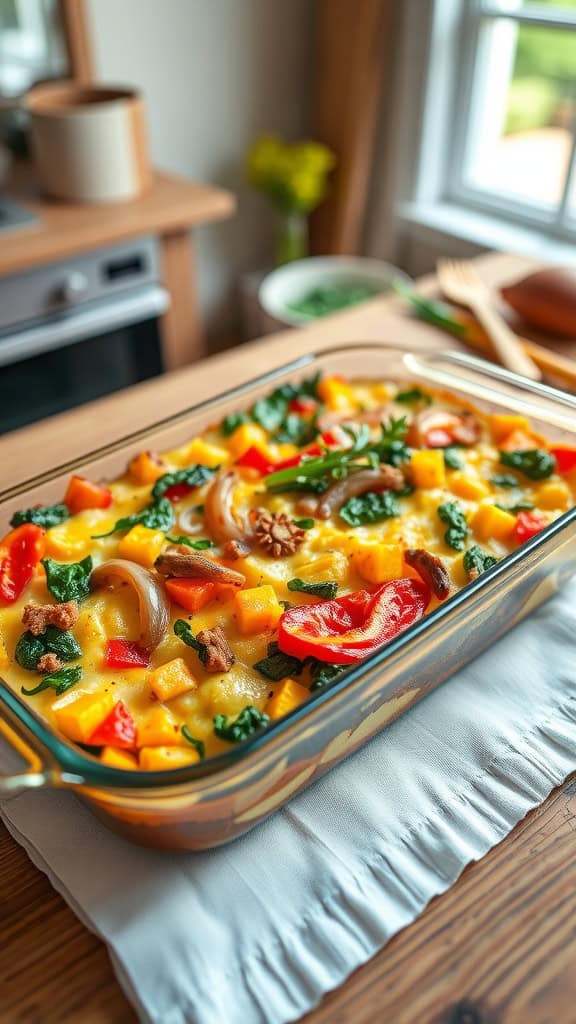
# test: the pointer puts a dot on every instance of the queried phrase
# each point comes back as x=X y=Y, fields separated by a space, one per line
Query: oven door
x=65 y=360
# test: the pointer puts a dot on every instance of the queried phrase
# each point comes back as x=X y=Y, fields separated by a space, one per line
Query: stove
x=13 y=216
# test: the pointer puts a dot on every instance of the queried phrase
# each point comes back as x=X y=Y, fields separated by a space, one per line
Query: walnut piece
x=37 y=616
x=277 y=533
x=431 y=570
x=219 y=657
x=49 y=663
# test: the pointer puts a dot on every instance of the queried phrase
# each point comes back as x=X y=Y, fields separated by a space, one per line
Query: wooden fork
x=460 y=283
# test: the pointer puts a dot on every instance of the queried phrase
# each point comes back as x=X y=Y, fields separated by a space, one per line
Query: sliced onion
x=386 y=478
x=189 y=521
x=153 y=606
x=222 y=521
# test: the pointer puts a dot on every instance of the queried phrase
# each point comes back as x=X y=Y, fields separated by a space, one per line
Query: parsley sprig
x=320 y=471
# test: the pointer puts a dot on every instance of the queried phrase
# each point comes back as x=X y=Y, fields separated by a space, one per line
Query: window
x=513 y=146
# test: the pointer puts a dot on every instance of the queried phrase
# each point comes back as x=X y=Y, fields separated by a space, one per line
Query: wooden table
x=169 y=210
x=500 y=946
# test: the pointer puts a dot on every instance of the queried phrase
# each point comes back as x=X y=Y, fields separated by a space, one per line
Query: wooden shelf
x=66 y=229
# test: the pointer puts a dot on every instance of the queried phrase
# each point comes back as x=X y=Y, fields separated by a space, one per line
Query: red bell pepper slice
x=177 y=492
x=20 y=553
x=311 y=452
x=117 y=730
x=304 y=406
x=528 y=524
x=254 y=458
x=352 y=627
x=81 y=493
x=125 y=654
x=565 y=459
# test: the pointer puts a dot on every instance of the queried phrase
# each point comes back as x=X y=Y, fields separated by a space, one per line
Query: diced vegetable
x=181 y=482
x=288 y=696
x=82 y=493
x=20 y=553
x=565 y=457
x=158 y=729
x=125 y=654
x=141 y=545
x=160 y=759
x=78 y=718
x=379 y=563
x=172 y=679
x=257 y=610
x=146 y=468
x=528 y=524
x=114 y=758
x=204 y=454
x=352 y=627
x=247 y=435
x=191 y=594
x=118 y=729
x=256 y=458
x=428 y=469
x=492 y=523
x=468 y=487
x=553 y=494
x=504 y=424
x=337 y=394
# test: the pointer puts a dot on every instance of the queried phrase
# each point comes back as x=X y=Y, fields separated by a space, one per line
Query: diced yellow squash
x=89 y=627
x=257 y=609
x=172 y=679
x=490 y=522
x=428 y=469
x=142 y=545
x=503 y=424
x=337 y=394
x=332 y=565
x=159 y=729
x=247 y=435
x=288 y=696
x=159 y=759
x=70 y=541
x=378 y=563
x=465 y=486
x=78 y=718
x=553 y=494
x=4 y=659
x=203 y=454
x=115 y=758
x=146 y=468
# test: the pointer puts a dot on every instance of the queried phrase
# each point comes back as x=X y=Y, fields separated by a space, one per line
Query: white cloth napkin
x=257 y=931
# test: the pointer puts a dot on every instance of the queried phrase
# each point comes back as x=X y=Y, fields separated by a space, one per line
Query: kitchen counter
x=498 y=946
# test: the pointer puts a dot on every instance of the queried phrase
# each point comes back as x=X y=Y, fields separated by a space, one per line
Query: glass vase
x=292 y=239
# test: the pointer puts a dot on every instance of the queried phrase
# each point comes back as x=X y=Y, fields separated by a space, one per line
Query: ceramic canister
x=89 y=142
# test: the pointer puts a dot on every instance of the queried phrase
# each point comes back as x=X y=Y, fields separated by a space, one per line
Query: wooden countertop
x=498 y=948
x=66 y=229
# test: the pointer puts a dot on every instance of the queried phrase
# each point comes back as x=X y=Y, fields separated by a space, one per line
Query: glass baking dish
x=218 y=799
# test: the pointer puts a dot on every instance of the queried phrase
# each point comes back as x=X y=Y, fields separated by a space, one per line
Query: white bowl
x=293 y=281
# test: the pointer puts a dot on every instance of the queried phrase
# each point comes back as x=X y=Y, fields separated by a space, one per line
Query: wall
x=215 y=74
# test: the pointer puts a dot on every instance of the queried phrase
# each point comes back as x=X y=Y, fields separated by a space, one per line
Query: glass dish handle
x=41 y=771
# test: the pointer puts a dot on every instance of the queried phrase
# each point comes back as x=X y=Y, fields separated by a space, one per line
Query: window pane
x=522 y=112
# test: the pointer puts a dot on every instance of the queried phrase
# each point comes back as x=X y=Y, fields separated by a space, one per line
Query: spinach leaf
x=194 y=476
x=536 y=464
x=520 y=506
x=458 y=529
x=198 y=545
x=322 y=673
x=412 y=395
x=183 y=630
x=323 y=588
x=231 y=422
x=504 y=480
x=394 y=453
x=295 y=429
x=157 y=516
x=60 y=681
x=45 y=515
x=269 y=412
x=451 y=459
x=249 y=721
x=277 y=665
x=305 y=524
x=369 y=508
x=30 y=648
x=393 y=430
x=68 y=581
x=477 y=561
x=197 y=744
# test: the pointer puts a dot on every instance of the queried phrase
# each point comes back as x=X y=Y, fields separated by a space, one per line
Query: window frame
x=558 y=222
